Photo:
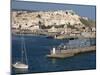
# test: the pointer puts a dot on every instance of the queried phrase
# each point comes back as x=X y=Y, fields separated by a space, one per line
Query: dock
x=70 y=52
x=64 y=36
x=61 y=55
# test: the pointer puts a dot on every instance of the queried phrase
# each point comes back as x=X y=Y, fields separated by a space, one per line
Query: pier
x=70 y=52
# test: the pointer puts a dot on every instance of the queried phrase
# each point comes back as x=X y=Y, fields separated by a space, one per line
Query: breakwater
x=71 y=52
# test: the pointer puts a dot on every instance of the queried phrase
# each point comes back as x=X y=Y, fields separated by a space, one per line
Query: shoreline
x=54 y=35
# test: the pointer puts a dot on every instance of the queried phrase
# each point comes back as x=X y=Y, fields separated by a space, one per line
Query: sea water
x=37 y=47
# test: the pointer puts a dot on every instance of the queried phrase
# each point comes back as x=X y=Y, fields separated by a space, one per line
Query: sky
x=82 y=10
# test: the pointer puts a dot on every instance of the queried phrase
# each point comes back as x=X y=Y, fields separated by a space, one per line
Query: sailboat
x=23 y=63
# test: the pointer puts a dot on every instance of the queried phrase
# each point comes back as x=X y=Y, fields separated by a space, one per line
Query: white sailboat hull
x=20 y=66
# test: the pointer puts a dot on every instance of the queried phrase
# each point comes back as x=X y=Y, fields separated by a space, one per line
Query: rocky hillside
x=57 y=21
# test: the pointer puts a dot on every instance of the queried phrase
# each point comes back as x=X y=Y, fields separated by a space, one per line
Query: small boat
x=19 y=65
x=23 y=63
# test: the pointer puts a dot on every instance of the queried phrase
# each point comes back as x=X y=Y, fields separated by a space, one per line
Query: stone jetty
x=70 y=52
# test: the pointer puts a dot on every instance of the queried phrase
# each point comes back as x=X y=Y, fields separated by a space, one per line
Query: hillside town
x=60 y=24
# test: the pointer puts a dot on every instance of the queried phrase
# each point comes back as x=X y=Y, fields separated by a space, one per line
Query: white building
x=35 y=27
x=53 y=29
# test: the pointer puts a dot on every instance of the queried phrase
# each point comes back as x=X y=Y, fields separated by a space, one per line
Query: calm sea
x=38 y=47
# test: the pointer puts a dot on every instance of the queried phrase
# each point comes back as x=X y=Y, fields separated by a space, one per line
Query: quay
x=51 y=35
x=70 y=52
x=64 y=36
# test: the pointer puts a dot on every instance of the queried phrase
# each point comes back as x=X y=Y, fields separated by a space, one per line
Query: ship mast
x=23 y=48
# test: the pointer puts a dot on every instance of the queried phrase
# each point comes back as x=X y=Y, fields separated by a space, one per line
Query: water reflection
x=21 y=71
x=53 y=61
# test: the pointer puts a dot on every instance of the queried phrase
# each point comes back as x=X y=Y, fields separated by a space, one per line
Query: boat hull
x=20 y=66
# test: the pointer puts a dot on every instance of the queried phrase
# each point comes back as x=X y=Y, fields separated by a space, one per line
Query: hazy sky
x=82 y=10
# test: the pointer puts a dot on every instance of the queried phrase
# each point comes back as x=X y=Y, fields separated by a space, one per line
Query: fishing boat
x=23 y=63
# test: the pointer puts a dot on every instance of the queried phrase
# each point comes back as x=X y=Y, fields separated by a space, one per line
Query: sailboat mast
x=23 y=48
x=22 y=51
x=25 y=51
